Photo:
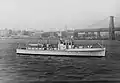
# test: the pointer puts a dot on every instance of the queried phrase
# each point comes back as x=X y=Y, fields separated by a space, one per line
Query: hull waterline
x=83 y=52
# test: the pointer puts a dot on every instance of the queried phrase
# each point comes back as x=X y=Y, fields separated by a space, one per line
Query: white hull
x=70 y=52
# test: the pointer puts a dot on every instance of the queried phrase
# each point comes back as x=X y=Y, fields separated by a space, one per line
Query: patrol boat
x=63 y=48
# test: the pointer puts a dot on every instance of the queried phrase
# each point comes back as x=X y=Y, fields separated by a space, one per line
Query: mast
x=59 y=36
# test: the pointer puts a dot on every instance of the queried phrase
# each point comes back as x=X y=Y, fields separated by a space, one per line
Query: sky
x=55 y=14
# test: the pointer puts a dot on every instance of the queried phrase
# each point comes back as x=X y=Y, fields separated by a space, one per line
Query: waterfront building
x=4 y=33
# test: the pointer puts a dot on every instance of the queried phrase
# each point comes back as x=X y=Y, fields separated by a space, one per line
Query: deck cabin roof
x=55 y=41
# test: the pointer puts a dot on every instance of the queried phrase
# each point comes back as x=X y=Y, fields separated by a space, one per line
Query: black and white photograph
x=59 y=41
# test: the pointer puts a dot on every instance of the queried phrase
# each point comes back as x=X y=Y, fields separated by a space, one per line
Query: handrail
x=100 y=45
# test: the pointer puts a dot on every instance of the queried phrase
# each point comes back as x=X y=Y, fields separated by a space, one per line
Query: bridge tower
x=111 y=28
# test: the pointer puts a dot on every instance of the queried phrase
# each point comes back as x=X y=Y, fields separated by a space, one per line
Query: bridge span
x=97 y=30
x=111 y=29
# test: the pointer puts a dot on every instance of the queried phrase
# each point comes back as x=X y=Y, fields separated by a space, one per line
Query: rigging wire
x=117 y=20
x=97 y=22
x=117 y=15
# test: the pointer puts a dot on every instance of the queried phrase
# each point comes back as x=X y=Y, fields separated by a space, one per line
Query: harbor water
x=29 y=68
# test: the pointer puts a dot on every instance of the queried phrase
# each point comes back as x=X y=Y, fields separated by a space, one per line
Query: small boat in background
x=62 y=48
